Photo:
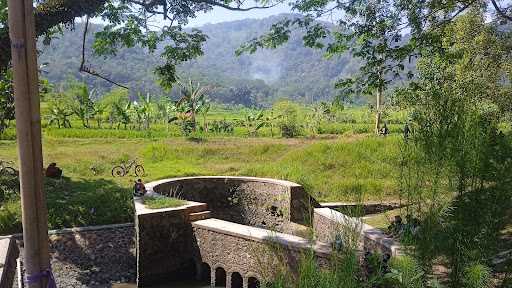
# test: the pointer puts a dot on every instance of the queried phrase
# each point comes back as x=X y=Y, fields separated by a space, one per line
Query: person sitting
x=385 y=130
x=52 y=171
x=138 y=188
x=407 y=131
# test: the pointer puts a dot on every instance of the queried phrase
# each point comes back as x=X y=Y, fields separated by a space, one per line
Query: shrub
x=10 y=217
x=289 y=119
x=405 y=272
x=477 y=276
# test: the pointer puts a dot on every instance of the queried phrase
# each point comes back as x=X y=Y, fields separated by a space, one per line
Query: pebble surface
x=92 y=258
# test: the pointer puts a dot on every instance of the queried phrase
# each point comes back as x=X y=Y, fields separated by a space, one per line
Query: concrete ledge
x=326 y=220
x=262 y=235
x=8 y=254
x=150 y=186
x=19 y=236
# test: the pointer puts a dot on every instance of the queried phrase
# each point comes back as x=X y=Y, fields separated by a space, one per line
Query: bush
x=10 y=217
x=405 y=273
x=477 y=276
x=289 y=119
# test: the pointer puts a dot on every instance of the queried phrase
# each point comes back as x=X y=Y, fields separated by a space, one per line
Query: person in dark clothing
x=52 y=171
x=138 y=188
x=407 y=130
x=384 y=131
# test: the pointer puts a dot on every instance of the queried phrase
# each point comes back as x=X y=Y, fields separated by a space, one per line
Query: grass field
x=340 y=162
x=332 y=169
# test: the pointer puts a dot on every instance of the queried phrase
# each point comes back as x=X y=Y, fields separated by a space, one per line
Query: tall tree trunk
x=378 y=116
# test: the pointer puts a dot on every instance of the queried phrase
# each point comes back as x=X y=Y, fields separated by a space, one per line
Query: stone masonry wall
x=250 y=258
x=164 y=246
x=328 y=222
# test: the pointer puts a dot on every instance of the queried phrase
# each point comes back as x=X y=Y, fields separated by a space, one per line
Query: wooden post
x=28 y=129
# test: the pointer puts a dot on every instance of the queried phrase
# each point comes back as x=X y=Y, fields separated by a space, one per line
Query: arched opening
x=205 y=275
x=220 y=277
x=236 y=280
x=254 y=283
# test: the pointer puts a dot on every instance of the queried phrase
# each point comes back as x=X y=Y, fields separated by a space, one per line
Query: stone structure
x=224 y=234
x=327 y=223
x=8 y=254
x=244 y=251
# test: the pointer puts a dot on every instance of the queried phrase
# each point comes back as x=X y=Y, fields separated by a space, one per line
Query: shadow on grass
x=87 y=202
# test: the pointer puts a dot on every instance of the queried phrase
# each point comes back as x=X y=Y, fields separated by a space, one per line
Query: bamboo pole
x=28 y=129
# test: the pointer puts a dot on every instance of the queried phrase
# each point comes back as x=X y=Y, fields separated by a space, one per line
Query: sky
x=222 y=15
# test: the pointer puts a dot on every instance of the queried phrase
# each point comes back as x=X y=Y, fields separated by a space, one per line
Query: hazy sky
x=222 y=15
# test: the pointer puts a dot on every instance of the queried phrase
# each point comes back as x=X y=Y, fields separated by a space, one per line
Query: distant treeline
x=292 y=71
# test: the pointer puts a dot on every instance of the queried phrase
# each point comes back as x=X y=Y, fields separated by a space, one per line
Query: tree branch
x=225 y=6
x=500 y=11
x=83 y=68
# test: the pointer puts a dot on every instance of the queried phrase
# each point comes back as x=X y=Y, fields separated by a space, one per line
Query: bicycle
x=9 y=182
x=123 y=169
x=6 y=170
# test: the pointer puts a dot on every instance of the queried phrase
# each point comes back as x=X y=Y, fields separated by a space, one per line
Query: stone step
x=197 y=207
x=192 y=217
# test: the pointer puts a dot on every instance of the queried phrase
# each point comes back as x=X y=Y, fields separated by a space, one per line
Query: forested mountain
x=291 y=71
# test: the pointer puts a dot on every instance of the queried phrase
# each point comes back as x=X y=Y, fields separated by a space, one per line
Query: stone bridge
x=237 y=256
x=233 y=231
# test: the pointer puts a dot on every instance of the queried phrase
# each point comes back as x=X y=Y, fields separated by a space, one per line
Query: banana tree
x=142 y=111
x=253 y=122
x=59 y=114
x=99 y=113
x=81 y=103
x=193 y=100
x=270 y=121
x=122 y=113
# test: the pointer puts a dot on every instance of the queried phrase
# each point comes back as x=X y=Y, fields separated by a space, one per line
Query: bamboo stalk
x=28 y=129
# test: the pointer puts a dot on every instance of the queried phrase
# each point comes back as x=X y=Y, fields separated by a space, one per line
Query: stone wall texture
x=164 y=246
x=96 y=256
x=248 y=257
x=327 y=223
x=258 y=202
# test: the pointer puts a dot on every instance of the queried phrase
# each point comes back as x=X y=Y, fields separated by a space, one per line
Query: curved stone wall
x=260 y=202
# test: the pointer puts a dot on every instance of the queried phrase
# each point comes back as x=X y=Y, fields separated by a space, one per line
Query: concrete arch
x=236 y=280
x=253 y=282
x=204 y=273
x=220 y=277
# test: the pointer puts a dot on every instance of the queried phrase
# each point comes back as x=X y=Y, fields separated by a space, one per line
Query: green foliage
x=457 y=159
x=405 y=273
x=477 y=276
x=6 y=98
x=253 y=80
x=288 y=122
x=80 y=102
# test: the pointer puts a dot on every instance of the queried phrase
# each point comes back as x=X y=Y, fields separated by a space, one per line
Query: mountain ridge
x=291 y=71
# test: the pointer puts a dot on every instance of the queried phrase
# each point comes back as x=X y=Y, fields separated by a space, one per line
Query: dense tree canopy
x=130 y=23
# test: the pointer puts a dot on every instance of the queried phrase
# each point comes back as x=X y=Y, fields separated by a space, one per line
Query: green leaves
x=183 y=47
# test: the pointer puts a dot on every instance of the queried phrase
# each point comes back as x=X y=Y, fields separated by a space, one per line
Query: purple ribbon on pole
x=34 y=278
